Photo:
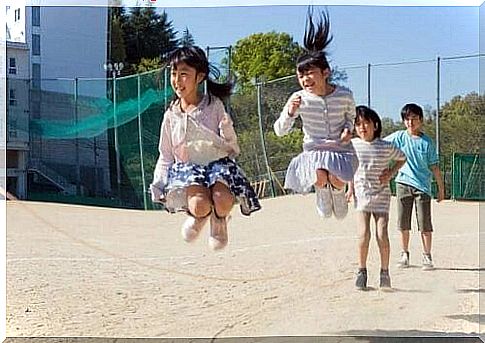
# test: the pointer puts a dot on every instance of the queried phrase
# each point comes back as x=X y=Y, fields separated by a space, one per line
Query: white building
x=17 y=99
x=17 y=133
x=61 y=52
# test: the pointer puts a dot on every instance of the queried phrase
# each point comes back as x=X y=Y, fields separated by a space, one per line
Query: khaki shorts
x=407 y=197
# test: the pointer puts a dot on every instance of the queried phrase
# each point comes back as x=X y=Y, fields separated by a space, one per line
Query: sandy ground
x=98 y=272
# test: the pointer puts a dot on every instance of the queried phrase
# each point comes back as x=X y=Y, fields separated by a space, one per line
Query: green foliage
x=147 y=34
x=267 y=55
x=148 y=64
x=462 y=124
x=389 y=126
x=118 y=50
x=187 y=38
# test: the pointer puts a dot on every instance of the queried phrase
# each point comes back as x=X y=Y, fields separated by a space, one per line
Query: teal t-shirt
x=421 y=154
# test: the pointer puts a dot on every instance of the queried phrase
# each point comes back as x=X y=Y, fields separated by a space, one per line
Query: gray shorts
x=407 y=196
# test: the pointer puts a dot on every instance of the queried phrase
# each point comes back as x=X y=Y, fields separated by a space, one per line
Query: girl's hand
x=385 y=176
x=346 y=135
x=295 y=103
x=350 y=192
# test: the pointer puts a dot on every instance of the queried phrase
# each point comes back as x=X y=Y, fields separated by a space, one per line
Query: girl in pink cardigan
x=196 y=171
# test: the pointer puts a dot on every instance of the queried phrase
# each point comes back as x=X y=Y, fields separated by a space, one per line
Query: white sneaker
x=324 y=201
x=403 y=260
x=192 y=227
x=218 y=235
x=340 y=205
x=427 y=262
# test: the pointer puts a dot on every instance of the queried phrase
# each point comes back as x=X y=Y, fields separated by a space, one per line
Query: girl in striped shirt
x=327 y=111
x=370 y=189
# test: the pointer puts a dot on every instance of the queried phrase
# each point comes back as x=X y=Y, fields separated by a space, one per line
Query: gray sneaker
x=427 y=262
x=324 y=201
x=403 y=260
x=385 y=281
x=361 y=281
x=340 y=205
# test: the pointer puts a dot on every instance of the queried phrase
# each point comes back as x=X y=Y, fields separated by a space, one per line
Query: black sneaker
x=385 y=279
x=361 y=281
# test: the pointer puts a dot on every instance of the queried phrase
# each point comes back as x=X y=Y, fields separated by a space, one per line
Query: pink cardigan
x=173 y=139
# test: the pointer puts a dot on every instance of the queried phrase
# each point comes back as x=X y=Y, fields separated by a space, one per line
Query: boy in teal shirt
x=413 y=182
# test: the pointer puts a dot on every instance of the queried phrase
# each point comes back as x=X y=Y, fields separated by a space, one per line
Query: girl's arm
x=388 y=173
x=439 y=181
x=350 y=114
x=227 y=132
x=165 y=160
x=399 y=159
x=285 y=122
x=350 y=191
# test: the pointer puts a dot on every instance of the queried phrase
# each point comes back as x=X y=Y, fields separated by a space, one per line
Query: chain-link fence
x=95 y=141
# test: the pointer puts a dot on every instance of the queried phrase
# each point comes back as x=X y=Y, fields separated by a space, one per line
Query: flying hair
x=317 y=37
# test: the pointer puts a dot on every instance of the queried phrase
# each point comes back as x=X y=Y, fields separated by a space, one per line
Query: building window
x=12 y=66
x=36 y=45
x=17 y=14
x=36 y=76
x=12 y=128
x=35 y=16
x=12 y=99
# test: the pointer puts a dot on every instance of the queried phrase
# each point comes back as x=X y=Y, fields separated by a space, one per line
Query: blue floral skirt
x=224 y=170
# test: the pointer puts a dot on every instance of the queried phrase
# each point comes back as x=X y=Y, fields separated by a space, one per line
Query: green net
x=468 y=171
x=103 y=114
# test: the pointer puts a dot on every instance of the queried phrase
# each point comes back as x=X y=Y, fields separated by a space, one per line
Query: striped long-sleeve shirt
x=370 y=195
x=323 y=117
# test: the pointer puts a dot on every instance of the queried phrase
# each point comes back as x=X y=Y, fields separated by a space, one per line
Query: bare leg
x=222 y=198
x=336 y=182
x=426 y=239
x=322 y=178
x=405 y=239
x=199 y=201
x=363 y=223
x=382 y=236
x=223 y=202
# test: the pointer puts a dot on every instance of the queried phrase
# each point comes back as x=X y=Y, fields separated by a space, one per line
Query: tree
x=148 y=64
x=267 y=55
x=187 y=38
x=462 y=125
x=148 y=35
x=118 y=50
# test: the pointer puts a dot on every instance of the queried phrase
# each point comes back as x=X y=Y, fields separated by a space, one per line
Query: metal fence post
x=368 y=85
x=140 y=140
x=438 y=76
x=117 y=148
x=261 y=132
x=78 y=168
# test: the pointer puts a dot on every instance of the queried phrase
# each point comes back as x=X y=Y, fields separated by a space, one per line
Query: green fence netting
x=96 y=142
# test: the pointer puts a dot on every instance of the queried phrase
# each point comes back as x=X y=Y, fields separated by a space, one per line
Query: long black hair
x=366 y=113
x=196 y=58
x=316 y=39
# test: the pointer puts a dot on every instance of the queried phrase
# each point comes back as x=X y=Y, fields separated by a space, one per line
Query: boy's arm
x=439 y=181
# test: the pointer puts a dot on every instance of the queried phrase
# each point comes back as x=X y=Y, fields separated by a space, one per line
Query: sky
x=365 y=35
